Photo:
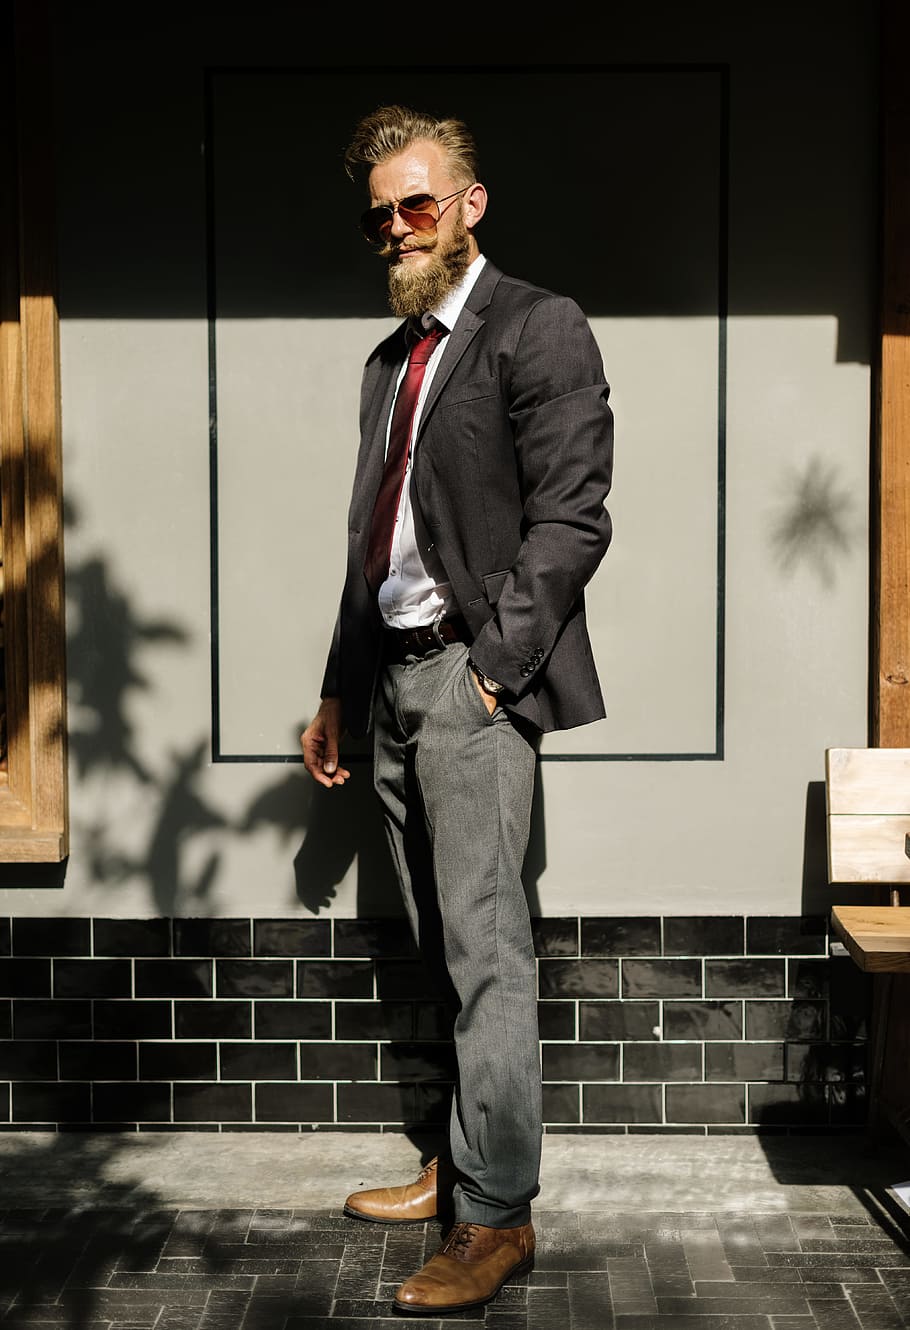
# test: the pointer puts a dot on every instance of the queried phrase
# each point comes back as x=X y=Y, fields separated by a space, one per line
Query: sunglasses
x=421 y=212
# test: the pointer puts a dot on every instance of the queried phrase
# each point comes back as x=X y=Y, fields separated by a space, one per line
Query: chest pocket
x=457 y=393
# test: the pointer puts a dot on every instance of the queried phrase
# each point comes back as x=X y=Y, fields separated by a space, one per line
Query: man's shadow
x=344 y=829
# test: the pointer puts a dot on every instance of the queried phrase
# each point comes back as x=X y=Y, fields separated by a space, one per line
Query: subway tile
x=555 y=937
x=706 y=1103
x=335 y=979
x=662 y=1062
x=212 y=1103
x=412 y=1061
x=38 y=1102
x=388 y=938
x=6 y=936
x=848 y=1105
x=745 y=978
x=618 y=1020
x=254 y=979
x=433 y=1104
x=213 y=1020
x=103 y=979
x=785 y=1020
x=292 y=937
x=183 y=1061
x=661 y=978
x=52 y=937
x=710 y=935
x=61 y=1018
x=292 y=1020
x=173 y=978
x=580 y=1062
x=620 y=937
x=847 y=988
x=824 y=1062
x=25 y=978
x=556 y=1020
x=136 y=1101
x=93 y=1060
x=744 y=1062
x=6 y=1018
x=212 y=937
x=622 y=1103
x=131 y=937
x=28 y=1060
x=582 y=978
x=133 y=1019
x=5 y=1106
x=403 y=979
x=294 y=1103
x=337 y=1062
x=260 y=1062
x=433 y=1020
x=783 y=935
x=374 y=1020
x=775 y=1104
x=703 y=1020
x=561 y=1103
x=366 y=1102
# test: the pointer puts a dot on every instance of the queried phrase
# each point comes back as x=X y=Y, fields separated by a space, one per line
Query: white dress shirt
x=415 y=591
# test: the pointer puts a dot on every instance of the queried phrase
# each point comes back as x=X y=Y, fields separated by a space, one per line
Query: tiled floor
x=262 y=1269
x=244 y=1231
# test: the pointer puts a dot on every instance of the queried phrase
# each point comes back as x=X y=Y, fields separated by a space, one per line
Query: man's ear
x=474 y=205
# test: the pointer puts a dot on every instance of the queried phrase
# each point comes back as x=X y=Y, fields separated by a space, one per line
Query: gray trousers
x=456 y=787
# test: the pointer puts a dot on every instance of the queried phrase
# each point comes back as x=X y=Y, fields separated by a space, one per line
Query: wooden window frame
x=33 y=789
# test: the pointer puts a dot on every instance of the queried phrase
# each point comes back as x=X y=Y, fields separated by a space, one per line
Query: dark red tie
x=382 y=526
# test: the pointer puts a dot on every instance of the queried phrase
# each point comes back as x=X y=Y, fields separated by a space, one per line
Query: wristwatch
x=487 y=684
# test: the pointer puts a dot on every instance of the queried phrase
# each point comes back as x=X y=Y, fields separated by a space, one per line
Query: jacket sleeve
x=331 y=680
x=562 y=426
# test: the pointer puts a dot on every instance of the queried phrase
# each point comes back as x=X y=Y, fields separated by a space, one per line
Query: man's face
x=423 y=267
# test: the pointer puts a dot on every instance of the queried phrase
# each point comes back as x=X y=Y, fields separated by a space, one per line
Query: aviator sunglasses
x=421 y=212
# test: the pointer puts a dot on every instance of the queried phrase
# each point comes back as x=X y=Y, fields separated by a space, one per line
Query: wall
x=713 y=809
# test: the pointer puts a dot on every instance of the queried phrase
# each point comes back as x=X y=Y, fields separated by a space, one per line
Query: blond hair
x=388 y=130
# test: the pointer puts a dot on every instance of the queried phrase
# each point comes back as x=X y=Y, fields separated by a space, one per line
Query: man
x=477 y=519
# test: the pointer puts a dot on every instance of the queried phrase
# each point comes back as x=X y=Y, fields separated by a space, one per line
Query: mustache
x=389 y=251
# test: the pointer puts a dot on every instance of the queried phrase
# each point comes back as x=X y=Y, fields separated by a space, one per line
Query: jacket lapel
x=467 y=326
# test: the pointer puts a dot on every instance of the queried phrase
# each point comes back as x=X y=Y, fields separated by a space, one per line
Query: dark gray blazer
x=512 y=465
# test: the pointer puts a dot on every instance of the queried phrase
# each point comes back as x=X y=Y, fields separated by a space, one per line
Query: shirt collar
x=449 y=308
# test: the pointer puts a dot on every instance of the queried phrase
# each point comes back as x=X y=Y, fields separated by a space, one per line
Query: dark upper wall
x=802 y=197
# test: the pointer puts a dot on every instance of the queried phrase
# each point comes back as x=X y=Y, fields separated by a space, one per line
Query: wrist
x=488 y=685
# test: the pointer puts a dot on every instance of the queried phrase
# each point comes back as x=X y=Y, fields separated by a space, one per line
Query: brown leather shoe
x=411 y=1203
x=469 y=1269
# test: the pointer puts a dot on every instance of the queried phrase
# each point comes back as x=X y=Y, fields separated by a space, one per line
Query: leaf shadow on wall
x=815 y=524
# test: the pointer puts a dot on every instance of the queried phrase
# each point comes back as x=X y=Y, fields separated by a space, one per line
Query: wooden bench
x=868 y=806
x=868 y=802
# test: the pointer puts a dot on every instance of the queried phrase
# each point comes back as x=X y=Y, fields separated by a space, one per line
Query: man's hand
x=491 y=701
x=319 y=742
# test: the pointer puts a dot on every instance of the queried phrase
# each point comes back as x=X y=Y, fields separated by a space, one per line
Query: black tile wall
x=680 y=1024
x=132 y=937
x=293 y=937
x=212 y=937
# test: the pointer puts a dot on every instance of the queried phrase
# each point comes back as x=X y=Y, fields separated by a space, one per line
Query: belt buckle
x=437 y=634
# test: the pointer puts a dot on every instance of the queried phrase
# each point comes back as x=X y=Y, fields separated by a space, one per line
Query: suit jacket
x=512 y=466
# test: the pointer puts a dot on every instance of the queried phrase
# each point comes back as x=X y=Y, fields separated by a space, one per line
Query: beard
x=413 y=293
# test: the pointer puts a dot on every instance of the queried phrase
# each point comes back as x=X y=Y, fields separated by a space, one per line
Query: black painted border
x=723 y=71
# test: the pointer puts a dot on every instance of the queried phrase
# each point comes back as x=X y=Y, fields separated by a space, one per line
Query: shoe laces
x=426 y=1171
x=460 y=1238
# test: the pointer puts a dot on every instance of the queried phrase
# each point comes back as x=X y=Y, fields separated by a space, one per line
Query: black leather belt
x=399 y=643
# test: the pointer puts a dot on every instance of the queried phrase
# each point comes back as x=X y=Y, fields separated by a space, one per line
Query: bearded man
x=477 y=519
